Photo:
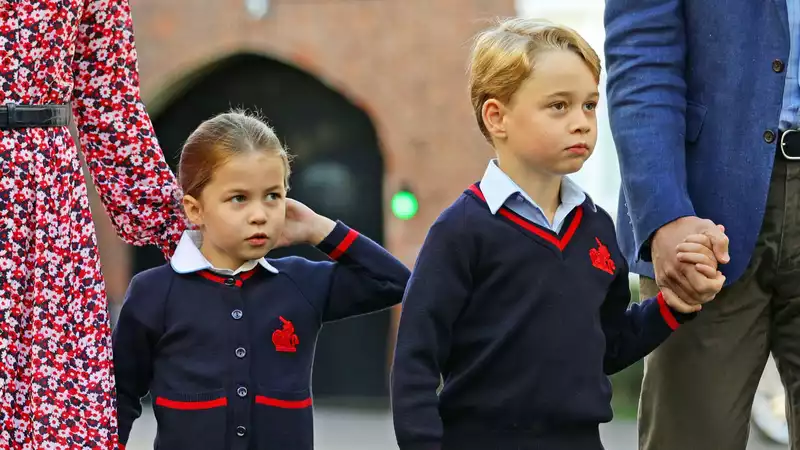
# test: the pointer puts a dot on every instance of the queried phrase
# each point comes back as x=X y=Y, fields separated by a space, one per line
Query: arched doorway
x=337 y=171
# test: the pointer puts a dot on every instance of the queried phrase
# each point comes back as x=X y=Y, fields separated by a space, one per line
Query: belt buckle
x=784 y=144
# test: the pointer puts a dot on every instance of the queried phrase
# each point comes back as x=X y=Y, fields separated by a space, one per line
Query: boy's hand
x=701 y=267
x=677 y=304
x=695 y=250
x=303 y=225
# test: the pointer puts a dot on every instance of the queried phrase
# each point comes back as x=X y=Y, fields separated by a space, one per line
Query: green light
x=404 y=205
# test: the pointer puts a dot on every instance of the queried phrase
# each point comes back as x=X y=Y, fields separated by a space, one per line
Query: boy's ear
x=193 y=210
x=493 y=113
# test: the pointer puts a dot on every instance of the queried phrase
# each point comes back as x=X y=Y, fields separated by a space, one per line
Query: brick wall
x=403 y=61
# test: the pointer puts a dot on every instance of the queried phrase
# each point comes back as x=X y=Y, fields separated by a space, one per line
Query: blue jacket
x=692 y=95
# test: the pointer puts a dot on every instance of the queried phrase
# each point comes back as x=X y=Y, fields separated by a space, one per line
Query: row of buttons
x=237 y=314
x=778 y=66
x=240 y=352
x=241 y=431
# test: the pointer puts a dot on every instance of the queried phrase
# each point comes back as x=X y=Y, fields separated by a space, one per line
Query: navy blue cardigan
x=228 y=360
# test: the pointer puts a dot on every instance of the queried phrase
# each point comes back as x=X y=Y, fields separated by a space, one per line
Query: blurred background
x=370 y=95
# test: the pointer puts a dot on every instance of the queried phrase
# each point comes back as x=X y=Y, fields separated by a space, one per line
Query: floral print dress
x=56 y=374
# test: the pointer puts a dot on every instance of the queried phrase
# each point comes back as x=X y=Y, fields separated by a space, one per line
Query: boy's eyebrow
x=571 y=94
x=559 y=94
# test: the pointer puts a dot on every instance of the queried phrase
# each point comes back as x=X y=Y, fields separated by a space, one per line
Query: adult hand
x=675 y=275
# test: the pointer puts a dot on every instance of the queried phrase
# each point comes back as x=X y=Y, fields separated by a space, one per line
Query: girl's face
x=242 y=210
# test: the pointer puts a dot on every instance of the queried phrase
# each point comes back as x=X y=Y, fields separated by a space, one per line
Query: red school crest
x=601 y=258
x=284 y=339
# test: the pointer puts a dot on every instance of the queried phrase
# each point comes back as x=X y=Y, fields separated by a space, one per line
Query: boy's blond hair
x=504 y=56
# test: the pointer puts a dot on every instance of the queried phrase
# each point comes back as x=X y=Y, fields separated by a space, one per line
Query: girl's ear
x=193 y=209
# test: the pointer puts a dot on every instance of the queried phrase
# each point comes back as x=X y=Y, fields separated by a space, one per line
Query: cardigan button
x=236 y=314
x=230 y=281
x=241 y=352
x=241 y=392
x=241 y=431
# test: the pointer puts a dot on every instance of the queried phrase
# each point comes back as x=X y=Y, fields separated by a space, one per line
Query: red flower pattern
x=56 y=373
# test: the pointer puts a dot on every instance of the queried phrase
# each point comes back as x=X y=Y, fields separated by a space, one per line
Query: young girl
x=223 y=338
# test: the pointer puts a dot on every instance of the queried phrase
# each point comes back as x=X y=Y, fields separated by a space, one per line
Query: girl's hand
x=303 y=225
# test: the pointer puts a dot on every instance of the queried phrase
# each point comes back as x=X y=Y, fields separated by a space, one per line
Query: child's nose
x=258 y=216
x=582 y=124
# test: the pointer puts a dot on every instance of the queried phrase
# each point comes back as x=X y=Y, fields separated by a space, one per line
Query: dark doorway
x=338 y=171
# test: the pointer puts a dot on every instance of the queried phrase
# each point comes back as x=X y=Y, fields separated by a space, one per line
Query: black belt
x=34 y=116
x=789 y=144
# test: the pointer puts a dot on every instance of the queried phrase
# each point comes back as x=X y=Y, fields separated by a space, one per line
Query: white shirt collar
x=188 y=259
x=497 y=187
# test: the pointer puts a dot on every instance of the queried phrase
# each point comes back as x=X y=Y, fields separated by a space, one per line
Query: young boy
x=519 y=299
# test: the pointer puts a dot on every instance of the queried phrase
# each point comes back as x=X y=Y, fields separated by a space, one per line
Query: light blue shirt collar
x=497 y=187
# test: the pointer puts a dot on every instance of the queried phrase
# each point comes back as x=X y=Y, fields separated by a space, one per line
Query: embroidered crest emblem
x=284 y=339
x=601 y=258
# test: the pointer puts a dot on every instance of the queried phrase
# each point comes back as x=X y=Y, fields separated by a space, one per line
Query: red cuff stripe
x=186 y=406
x=344 y=245
x=666 y=313
x=286 y=404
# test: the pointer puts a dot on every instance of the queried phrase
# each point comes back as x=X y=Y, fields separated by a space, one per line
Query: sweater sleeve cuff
x=338 y=241
x=673 y=318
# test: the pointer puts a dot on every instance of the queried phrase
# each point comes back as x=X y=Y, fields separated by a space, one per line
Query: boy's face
x=242 y=210
x=550 y=123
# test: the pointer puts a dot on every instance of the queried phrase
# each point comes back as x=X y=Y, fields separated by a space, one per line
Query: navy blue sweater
x=228 y=361
x=523 y=325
